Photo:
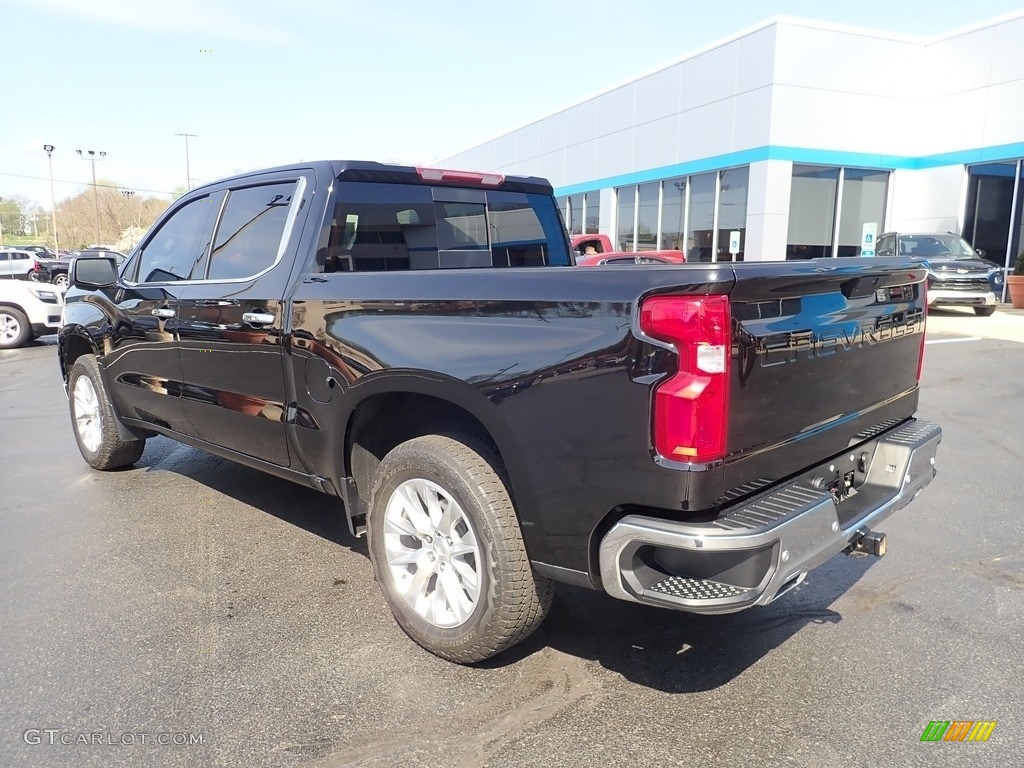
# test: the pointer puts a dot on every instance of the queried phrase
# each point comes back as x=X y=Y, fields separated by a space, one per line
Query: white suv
x=17 y=264
x=28 y=310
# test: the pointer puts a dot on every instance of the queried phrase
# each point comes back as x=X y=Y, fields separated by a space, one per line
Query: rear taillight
x=690 y=409
x=924 y=328
x=461 y=177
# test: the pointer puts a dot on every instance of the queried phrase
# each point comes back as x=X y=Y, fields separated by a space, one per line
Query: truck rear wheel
x=92 y=418
x=447 y=551
x=985 y=311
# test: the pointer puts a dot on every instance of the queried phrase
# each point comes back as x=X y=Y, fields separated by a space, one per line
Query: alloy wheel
x=87 y=414
x=432 y=553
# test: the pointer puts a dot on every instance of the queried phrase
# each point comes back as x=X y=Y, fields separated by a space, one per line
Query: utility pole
x=48 y=148
x=130 y=193
x=188 y=171
x=95 y=193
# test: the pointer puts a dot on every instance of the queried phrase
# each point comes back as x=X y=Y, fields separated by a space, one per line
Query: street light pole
x=95 y=193
x=188 y=171
x=48 y=148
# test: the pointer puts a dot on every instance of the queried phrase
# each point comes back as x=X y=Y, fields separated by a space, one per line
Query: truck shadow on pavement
x=678 y=652
x=666 y=650
x=291 y=503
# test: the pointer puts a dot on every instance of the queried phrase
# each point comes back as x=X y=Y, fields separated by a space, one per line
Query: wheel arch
x=398 y=408
x=13 y=305
x=72 y=345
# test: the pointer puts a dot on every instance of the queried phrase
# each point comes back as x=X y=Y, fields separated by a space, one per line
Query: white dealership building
x=793 y=139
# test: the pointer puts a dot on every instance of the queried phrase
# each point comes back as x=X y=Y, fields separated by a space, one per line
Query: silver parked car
x=16 y=264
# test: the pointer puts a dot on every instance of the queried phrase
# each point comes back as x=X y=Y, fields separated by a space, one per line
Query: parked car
x=596 y=249
x=57 y=269
x=27 y=311
x=624 y=259
x=40 y=251
x=17 y=264
x=958 y=275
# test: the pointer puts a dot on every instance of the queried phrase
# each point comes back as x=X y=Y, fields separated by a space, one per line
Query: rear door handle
x=257 y=318
x=164 y=312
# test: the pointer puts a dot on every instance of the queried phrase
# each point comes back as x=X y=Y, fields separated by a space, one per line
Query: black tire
x=15 y=329
x=60 y=280
x=101 y=447
x=512 y=599
x=985 y=311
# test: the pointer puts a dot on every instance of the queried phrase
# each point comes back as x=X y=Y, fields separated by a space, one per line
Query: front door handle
x=164 y=312
x=257 y=318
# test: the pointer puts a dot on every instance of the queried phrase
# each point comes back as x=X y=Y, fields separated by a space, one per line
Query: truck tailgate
x=825 y=354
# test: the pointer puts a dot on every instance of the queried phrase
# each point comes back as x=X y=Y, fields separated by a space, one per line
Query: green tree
x=12 y=216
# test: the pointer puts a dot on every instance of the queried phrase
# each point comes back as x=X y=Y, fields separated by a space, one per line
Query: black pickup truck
x=418 y=343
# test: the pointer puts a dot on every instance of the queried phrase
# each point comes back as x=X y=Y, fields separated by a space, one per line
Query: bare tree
x=122 y=216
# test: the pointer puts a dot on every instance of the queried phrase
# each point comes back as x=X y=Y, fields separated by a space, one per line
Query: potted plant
x=1015 y=283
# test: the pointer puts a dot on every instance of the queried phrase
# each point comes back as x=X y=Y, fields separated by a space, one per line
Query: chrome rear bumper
x=763 y=547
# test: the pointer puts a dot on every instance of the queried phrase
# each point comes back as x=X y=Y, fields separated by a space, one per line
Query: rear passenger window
x=387 y=227
x=249 y=234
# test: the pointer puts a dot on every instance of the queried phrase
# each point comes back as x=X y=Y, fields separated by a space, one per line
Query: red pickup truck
x=597 y=250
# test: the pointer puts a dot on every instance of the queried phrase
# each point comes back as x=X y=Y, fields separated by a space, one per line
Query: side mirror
x=980 y=252
x=93 y=272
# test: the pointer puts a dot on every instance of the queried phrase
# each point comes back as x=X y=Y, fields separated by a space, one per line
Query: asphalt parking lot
x=191 y=612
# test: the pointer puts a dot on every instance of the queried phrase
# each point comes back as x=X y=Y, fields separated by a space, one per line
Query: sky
x=263 y=83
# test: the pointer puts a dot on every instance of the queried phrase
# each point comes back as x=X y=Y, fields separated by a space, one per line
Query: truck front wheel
x=92 y=418
x=447 y=551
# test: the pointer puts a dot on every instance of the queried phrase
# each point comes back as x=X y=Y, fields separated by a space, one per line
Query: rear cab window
x=391 y=226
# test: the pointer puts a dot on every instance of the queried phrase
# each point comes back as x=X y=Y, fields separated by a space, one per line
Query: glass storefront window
x=1018 y=244
x=680 y=214
x=625 y=212
x=732 y=213
x=647 y=220
x=989 y=204
x=700 y=235
x=864 y=194
x=592 y=213
x=673 y=214
x=576 y=215
x=812 y=209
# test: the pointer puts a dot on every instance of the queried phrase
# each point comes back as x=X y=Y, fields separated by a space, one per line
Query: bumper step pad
x=774 y=538
x=696 y=589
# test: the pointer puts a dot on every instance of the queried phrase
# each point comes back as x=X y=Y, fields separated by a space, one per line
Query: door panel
x=231 y=326
x=142 y=361
x=143 y=368
x=234 y=393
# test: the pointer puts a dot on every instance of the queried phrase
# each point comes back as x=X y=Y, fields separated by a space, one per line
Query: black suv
x=958 y=275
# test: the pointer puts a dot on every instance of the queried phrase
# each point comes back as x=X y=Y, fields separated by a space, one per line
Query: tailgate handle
x=258 y=318
x=859 y=287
